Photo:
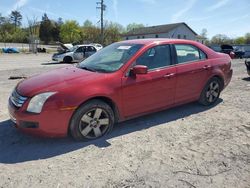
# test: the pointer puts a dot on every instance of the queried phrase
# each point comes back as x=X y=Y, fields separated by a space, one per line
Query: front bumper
x=57 y=59
x=49 y=123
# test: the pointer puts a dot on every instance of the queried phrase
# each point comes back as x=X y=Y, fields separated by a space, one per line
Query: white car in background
x=76 y=53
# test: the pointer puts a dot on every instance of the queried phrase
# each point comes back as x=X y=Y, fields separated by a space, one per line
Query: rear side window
x=187 y=53
x=156 y=57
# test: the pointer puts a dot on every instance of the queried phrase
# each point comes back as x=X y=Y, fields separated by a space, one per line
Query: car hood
x=56 y=80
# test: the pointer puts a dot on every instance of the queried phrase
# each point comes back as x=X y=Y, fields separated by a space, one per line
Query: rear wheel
x=67 y=59
x=92 y=120
x=211 y=92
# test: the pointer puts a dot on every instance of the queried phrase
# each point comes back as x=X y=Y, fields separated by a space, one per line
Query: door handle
x=169 y=75
x=207 y=67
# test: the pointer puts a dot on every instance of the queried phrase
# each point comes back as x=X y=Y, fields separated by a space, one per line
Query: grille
x=17 y=99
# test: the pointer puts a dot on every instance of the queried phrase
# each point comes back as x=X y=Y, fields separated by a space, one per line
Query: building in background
x=176 y=30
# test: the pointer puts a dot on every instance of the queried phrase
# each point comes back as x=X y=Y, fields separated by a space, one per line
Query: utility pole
x=102 y=6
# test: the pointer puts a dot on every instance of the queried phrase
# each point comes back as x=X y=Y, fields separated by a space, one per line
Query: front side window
x=80 y=49
x=187 y=53
x=110 y=58
x=155 y=57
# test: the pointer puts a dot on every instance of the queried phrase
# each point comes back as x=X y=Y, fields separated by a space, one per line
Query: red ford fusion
x=122 y=81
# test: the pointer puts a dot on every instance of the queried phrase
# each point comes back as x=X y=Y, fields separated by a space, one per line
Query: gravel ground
x=187 y=146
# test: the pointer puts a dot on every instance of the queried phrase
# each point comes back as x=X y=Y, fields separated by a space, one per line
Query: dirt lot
x=188 y=146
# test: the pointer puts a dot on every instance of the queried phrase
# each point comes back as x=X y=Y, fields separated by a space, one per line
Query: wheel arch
x=220 y=78
x=105 y=99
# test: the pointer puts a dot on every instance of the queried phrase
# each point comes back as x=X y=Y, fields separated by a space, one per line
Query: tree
x=46 y=29
x=70 y=32
x=112 y=32
x=56 y=31
x=33 y=27
x=240 y=40
x=247 y=38
x=88 y=23
x=59 y=21
x=221 y=39
x=2 y=19
x=132 y=26
x=204 y=33
x=16 y=18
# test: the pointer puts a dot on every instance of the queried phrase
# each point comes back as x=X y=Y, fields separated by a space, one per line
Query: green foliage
x=70 y=32
x=88 y=23
x=247 y=38
x=46 y=29
x=132 y=26
x=112 y=32
x=16 y=18
x=240 y=40
x=221 y=39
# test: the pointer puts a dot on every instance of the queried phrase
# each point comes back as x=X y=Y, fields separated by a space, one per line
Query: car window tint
x=155 y=57
x=80 y=49
x=186 y=53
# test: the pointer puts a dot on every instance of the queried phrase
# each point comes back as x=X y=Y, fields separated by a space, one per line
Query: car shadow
x=246 y=79
x=17 y=147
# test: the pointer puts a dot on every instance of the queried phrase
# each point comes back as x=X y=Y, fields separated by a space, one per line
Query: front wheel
x=67 y=59
x=210 y=92
x=92 y=120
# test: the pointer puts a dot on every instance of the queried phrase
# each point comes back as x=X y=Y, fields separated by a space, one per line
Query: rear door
x=154 y=90
x=90 y=50
x=192 y=68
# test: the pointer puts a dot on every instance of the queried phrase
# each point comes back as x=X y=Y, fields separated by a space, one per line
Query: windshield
x=73 y=48
x=110 y=58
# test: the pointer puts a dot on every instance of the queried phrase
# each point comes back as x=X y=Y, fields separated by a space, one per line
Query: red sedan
x=124 y=80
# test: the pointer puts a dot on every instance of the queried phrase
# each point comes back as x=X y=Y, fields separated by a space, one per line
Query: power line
x=102 y=7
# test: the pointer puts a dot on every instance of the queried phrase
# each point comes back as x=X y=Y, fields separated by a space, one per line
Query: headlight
x=37 y=102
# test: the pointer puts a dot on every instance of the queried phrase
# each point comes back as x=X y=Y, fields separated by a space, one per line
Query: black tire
x=67 y=59
x=86 y=123
x=211 y=92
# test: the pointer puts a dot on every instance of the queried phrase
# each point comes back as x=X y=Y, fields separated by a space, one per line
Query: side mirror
x=232 y=55
x=139 y=69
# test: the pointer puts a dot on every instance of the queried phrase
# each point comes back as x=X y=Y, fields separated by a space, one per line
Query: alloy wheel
x=213 y=91
x=94 y=123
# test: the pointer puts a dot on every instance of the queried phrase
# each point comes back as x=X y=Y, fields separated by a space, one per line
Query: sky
x=230 y=17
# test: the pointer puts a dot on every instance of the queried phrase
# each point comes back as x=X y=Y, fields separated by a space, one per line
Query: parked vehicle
x=247 y=51
x=216 y=48
x=75 y=54
x=226 y=49
x=98 y=46
x=239 y=51
x=247 y=62
x=10 y=50
x=122 y=81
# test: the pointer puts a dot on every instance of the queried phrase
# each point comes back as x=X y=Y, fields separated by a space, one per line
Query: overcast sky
x=230 y=17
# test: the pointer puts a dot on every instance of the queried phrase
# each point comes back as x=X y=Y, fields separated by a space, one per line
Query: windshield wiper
x=88 y=68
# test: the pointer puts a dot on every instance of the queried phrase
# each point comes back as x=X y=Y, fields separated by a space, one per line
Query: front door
x=79 y=53
x=154 y=90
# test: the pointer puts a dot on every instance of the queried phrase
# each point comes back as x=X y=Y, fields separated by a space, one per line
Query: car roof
x=85 y=45
x=157 y=40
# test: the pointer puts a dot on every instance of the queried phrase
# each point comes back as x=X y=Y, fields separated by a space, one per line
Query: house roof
x=156 y=29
